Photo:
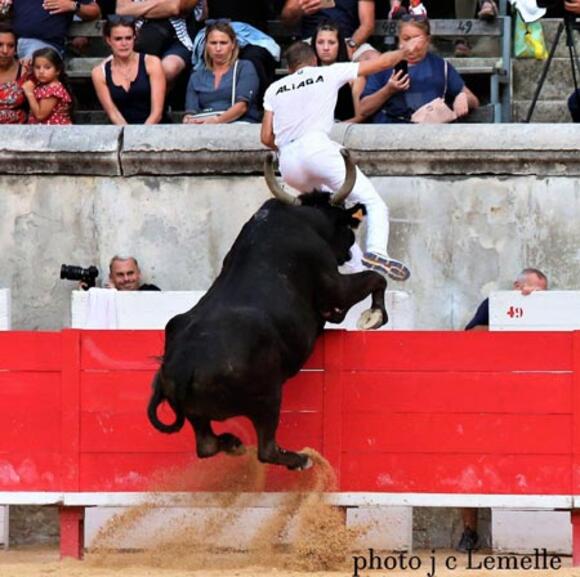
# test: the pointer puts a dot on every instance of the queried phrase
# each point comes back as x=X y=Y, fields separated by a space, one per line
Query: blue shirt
x=427 y=83
x=201 y=94
x=344 y=13
x=31 y=20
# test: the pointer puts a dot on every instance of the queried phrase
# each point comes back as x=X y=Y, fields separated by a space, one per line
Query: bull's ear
x=357 y=214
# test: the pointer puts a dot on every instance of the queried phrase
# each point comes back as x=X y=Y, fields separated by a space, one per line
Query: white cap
x=528 y=9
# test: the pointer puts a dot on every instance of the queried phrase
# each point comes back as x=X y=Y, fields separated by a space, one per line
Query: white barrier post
x=4 y=526
x=521 y=531
x=5 y=324
x=5 y=310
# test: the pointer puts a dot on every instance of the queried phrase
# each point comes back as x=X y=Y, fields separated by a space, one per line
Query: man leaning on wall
x=528 y=281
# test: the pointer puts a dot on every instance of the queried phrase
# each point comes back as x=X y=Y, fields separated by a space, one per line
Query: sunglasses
x=414 y=18
x=116 y=20
x=217 y=21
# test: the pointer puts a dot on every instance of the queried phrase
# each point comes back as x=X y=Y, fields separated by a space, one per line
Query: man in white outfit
x=298 y=117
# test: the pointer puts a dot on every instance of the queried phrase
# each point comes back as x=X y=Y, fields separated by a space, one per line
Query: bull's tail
x=156 y=399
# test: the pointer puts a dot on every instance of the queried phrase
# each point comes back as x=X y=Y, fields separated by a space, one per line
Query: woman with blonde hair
x=225 y=89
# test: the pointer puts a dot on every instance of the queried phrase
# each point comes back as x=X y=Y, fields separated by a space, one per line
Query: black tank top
x=134 y=104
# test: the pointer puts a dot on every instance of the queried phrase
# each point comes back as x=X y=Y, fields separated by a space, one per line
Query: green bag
x=529 y=39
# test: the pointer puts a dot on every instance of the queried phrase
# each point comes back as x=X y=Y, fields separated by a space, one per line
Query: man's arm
x=155 y=8
x=366 y=17
x=89 y=11
x=294 y=10
x=384 y=61
x=85 y=12
x=267 y=132
x=572 y=6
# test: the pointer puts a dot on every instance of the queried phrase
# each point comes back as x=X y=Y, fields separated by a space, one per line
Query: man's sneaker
x=488 y=10
x=386 y=265
x=469 y=541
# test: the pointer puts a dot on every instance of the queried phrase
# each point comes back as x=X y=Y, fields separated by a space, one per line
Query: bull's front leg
x=341 y=292
x=266 y=424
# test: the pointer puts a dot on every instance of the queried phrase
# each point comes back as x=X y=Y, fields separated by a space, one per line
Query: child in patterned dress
x=49 y=99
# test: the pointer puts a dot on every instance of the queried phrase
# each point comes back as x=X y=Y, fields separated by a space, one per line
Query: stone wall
x=470 y=206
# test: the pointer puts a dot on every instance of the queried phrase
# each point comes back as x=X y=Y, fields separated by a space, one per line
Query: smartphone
x=403 y=65
x=327 y=4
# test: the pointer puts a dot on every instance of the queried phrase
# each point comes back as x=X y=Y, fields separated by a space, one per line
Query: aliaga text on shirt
x=301 y=84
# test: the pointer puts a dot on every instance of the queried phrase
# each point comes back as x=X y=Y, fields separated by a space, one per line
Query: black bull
x=258 y=323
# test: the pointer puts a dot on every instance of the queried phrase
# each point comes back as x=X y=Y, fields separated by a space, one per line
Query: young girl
x=48 y=95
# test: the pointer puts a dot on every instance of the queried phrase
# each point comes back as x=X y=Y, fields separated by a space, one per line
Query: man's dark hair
x=299 y=53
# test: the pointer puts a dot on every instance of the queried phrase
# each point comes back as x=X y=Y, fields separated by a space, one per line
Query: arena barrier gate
x=413 y=418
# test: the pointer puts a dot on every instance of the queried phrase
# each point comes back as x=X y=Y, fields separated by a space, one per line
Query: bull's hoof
x=231 y=445
x=370 y=319
x=301 y=465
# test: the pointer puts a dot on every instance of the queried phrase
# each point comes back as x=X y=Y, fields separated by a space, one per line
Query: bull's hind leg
x=268 y=450
x=209 y=444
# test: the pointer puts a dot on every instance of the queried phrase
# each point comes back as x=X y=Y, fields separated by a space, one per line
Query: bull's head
x=337 y=198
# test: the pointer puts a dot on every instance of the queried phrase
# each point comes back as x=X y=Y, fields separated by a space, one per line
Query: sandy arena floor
x=318 y=545
x=37 y=562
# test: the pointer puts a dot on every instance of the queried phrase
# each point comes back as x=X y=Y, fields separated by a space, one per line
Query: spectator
x=125 y=275
x=330 y=47
x=393 y=96
x=464 y=10
x=356 y=19
x=261 y=50
x=44 y=24
x=163 y=31
x=397 y=9
x=225 y=89
x=528 y=281
x=130 y=86
x=48 y=93
x=574 y=105
x=12 y=76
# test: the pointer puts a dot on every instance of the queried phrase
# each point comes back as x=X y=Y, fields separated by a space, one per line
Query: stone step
x=526 y=74
x=545 y=111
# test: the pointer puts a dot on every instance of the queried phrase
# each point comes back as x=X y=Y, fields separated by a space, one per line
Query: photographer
x=125 y=275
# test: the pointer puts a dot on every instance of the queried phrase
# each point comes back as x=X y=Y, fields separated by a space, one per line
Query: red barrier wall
x=442 y=412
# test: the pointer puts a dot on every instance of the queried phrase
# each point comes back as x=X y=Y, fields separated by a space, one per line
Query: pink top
x=61 y=112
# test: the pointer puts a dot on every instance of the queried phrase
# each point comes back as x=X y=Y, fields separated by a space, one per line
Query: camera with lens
x=87 y=276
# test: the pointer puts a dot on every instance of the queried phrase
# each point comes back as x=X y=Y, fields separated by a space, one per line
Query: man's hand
x=398 y=82
x=59 y=6
x=310 y=6
x=572 y=6
x=410 y=47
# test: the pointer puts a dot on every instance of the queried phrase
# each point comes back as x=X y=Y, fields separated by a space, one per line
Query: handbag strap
x=234 y=82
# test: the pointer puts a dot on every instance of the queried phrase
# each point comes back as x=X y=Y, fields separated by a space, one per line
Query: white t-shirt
x=304 y=101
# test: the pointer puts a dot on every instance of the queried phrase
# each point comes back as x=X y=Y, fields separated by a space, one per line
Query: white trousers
x=314 y=162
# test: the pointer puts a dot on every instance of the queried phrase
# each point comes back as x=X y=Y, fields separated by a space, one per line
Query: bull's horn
x=340 y=195
x=274 y=185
